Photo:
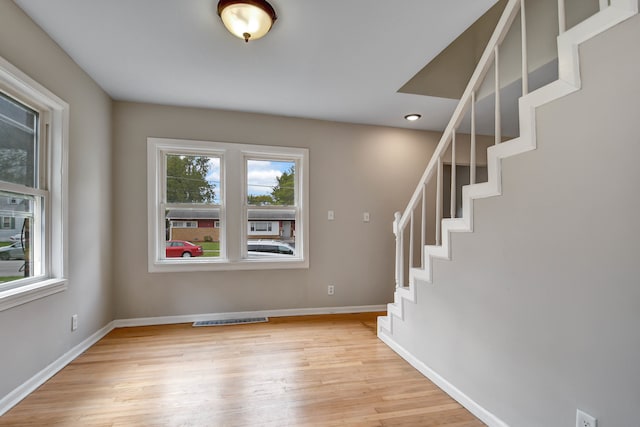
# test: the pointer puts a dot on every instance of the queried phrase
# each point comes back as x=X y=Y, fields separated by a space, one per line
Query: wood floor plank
x=310 y=371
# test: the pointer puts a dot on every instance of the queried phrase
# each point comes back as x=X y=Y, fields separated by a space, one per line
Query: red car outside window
x=182 y=248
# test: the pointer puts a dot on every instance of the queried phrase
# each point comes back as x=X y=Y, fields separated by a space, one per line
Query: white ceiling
x=341 y=60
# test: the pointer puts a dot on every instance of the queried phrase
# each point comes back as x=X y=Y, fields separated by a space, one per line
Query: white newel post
x=399 y=261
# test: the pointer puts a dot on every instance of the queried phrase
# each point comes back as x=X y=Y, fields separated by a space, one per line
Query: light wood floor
x=295 y=371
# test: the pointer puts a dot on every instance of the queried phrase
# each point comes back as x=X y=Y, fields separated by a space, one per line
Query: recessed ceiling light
x=412 y=117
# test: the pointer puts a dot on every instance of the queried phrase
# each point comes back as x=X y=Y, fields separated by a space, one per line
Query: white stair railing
x=448 y=140
x=410 y=232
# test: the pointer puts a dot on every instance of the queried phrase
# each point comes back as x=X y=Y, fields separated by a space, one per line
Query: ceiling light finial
x=247 y=19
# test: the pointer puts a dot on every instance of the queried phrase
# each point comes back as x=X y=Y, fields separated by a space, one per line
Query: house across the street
x=203 y=225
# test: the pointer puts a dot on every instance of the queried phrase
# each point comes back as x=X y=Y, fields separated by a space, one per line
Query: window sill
x=24 y=294
x=245 y=264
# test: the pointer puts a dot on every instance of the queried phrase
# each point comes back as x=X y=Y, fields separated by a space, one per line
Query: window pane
x=270 y=249
x=270 y=182
x=18 y=137
x=192 y=233
x=17 y=229
x=193 y=179
x=271 y=231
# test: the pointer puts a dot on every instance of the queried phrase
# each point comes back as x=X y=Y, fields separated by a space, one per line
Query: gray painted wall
x=35 y=334
x=538 y=313
x=353 y=169
x=543 y=323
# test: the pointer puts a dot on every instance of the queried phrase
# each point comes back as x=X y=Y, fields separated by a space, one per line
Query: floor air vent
x=231 y=321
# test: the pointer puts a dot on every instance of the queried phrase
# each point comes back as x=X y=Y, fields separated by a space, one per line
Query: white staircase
x=406 y=225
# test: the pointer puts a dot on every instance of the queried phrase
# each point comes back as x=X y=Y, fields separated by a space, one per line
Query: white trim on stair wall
x=476 y=409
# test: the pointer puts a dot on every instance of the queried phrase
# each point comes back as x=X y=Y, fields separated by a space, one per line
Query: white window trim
x=19 y=85
x=233 y=221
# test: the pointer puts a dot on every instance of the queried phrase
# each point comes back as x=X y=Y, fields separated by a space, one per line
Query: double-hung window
x=33 y=127
x=225 y=198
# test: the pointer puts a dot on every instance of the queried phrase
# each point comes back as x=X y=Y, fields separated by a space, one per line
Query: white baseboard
x=190 y=318
x=472 y=406
x=14 y=397
x=22 y=391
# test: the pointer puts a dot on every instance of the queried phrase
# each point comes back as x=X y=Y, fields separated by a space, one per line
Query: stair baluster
x=472 y=157
x=452 y=212
x=562 y=17
x=410 y=242
x=498 y=122
x=439 y=203
x=423 y=225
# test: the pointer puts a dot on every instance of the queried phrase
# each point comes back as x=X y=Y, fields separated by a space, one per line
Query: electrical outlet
x=331 y=215
x=331 y=290
x=74 y=322
x=366 y=217
x=585 y=420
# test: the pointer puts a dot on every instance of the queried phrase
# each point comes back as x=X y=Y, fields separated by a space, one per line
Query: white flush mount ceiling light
x=412 y=117
x=247 y=19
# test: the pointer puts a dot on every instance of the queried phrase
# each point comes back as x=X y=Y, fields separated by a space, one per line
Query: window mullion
x=235 y=217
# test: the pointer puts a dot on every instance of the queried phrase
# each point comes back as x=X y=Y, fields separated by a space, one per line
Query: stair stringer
x=569 y=81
